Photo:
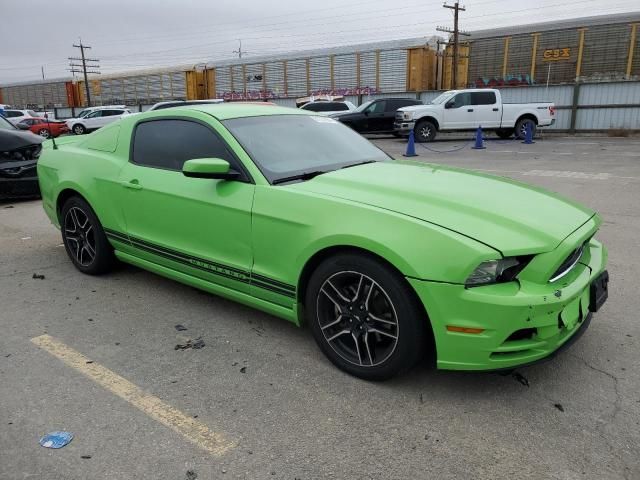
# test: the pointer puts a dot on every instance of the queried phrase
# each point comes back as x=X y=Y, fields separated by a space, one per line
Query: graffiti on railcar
x=506 y=81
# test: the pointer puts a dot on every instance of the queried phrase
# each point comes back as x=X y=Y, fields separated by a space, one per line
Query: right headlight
x=407 y=116
x=497 y=271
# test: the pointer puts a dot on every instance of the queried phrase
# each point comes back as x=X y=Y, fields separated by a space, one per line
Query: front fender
x=291 y=227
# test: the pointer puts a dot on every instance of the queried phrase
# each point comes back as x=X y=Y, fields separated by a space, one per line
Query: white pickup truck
x=469 y=109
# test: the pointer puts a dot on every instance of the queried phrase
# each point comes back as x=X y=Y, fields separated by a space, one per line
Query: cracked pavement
x=263 y=383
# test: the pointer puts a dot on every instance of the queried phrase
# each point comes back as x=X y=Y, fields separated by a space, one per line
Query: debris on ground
x=196 y=344
x=243 y=370
x=38 y=276
x=521 y=378
x=191 y=475
x=56 y=439
x=180 y=328
x=559 y=406
x=9 y=206
x=85 y=457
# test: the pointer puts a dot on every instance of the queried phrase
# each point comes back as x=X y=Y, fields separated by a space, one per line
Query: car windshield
x=283 y=146
x=443 y=97
x=6 y=124
x=363 y=106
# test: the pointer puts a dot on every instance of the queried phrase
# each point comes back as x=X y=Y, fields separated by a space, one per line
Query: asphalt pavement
x=97 y=356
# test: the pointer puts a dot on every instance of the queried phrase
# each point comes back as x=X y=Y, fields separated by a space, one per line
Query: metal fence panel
x=608 y=118
x=285 y=102
x=610 y=93
x=559 y=94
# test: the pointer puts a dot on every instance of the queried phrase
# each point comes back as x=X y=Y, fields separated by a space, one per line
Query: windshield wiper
x=356 y=164
x=300 y=176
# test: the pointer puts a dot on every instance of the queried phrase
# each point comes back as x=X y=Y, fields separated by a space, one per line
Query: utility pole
x=42 y=68
x=239 y=51
x=87 y=63
x=456 y=38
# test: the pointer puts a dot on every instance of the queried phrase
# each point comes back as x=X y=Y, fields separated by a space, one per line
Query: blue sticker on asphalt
x=56 y=439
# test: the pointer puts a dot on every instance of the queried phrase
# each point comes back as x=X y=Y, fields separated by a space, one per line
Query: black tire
x=380 y=325
x=524 y=123
x=505 y=133
x=43 y=132
x=79 y=129
x=425 y=131
x=84 y=239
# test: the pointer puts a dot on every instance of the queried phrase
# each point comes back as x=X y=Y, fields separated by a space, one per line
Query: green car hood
x=509 y=216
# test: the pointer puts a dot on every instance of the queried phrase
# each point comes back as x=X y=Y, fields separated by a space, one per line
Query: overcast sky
x=133 y=34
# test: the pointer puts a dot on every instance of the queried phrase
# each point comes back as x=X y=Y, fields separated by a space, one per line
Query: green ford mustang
x=295 y=214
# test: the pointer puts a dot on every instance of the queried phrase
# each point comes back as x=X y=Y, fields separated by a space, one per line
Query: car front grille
x=568 y=264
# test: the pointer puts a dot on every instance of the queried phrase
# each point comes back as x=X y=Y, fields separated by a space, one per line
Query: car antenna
x=53 y=138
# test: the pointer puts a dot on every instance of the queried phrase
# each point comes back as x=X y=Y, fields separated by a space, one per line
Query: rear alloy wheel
x=425 y=131
x=79 y=129
x=84 y=239
x=43 y=132
x=522 y=126
x=364 y=317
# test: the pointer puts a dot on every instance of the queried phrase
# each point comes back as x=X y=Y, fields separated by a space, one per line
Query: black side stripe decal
x=208 y=266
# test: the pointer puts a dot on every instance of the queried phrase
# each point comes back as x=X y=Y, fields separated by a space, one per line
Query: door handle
x=496 y=109
x=133 y=184
x=470 y=110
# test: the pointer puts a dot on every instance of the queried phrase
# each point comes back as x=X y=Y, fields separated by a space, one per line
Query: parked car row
x=454 y=110
x=19 y=153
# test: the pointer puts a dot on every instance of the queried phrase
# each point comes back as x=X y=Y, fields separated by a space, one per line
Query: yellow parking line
x=196 y=432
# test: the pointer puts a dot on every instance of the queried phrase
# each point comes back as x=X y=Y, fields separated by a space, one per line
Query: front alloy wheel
x=425 y=131
x=44 y=133
x=357 y=318
x=79 y=129
x=365 y=317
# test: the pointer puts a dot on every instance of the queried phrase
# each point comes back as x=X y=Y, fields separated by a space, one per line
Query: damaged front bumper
x=513 y=323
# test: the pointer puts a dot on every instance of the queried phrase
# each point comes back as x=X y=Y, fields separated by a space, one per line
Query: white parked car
x=323 y=106
x=16 y=116
x=469 y=109
x=96 y=119
x=88 y=110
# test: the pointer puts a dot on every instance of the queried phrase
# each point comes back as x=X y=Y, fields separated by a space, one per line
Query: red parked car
x=44 y=128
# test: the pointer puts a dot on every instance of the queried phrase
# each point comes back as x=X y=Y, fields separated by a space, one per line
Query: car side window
x=12 y=113
x=461 y=100
x=168 y=143
x=483 y=98
x=376 y=107
x=95 y=114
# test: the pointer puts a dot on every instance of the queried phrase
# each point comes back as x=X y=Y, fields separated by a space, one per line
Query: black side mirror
x=450 y=104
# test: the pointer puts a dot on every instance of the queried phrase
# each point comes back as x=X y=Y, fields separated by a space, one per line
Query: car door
x=374 y=117
x=93 y=120
x=197 y=226
x=459 y=113
x=486 y=109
